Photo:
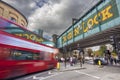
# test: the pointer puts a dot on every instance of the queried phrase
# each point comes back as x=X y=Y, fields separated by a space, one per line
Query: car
x=103 y=62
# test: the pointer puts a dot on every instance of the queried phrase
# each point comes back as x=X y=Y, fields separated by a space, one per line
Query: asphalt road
x=89 y=72
x=35 y=76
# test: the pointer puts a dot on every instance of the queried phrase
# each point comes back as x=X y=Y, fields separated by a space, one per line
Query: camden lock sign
x=100 y=16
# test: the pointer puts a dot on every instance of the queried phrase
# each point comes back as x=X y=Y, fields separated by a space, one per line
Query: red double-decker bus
x=19 y=56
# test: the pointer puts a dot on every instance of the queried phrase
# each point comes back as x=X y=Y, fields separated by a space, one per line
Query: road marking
x=88 y=74
x=28 y=77
x=35 y=75
x=42 y=78
x=49 y=72
x=32 y=76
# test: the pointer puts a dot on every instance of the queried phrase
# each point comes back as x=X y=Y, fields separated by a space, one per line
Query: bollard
x=58 y=66
x=99 y=63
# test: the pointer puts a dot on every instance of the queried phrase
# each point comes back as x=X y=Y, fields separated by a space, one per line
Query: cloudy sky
x=53 y=16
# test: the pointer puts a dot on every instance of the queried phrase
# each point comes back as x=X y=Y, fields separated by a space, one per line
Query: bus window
x=21 y=55
x=36 y=56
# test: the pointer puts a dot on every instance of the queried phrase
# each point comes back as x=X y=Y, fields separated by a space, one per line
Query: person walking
x=71 y=61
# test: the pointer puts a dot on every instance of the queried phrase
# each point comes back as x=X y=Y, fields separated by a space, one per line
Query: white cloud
x=32 y=5
x=54 y=16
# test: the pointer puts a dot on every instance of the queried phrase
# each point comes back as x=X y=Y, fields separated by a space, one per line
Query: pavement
x=69 y=68
x=77 y=66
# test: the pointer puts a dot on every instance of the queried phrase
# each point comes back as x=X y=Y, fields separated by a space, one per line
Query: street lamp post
x=114 y=43
x=80 y=60
x=81 y=56
x=70 y=51
x=64 y=51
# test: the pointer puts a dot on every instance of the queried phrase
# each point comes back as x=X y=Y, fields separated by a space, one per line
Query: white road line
x=88 y=74
x=40 y=78
x=28 y=77
x=32 y=76
x=49 y=76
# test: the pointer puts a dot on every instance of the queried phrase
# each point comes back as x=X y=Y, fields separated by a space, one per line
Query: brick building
x=9 y=12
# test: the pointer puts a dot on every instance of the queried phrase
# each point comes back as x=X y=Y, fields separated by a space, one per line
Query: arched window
x=22 y=23
x=12 y=19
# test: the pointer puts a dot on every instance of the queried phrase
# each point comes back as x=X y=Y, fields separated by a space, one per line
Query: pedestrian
x=108 y=56
x=111 y=59
x=71 y=61
x=62 y=59
x=115 y=59
x=118 y=57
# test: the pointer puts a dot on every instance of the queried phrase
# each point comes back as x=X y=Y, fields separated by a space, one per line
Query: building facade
x=9 y=12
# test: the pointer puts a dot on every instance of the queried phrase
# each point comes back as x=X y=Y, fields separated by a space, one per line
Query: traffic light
x=113 y=41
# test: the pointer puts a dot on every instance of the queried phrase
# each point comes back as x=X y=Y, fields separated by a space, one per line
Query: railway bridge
x=95 y=27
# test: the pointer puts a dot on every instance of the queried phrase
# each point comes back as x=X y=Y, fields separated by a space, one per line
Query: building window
x=22 y=23
x=12 y=19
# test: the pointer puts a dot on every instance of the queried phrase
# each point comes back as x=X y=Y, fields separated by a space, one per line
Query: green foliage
x=96 y=53
x=102 y=49
x=100 y=52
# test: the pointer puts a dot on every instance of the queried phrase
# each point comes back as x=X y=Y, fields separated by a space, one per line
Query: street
x=88 y=72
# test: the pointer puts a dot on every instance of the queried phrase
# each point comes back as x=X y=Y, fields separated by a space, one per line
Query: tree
x=102 y=49
x=96 y=53
x=89 y=52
